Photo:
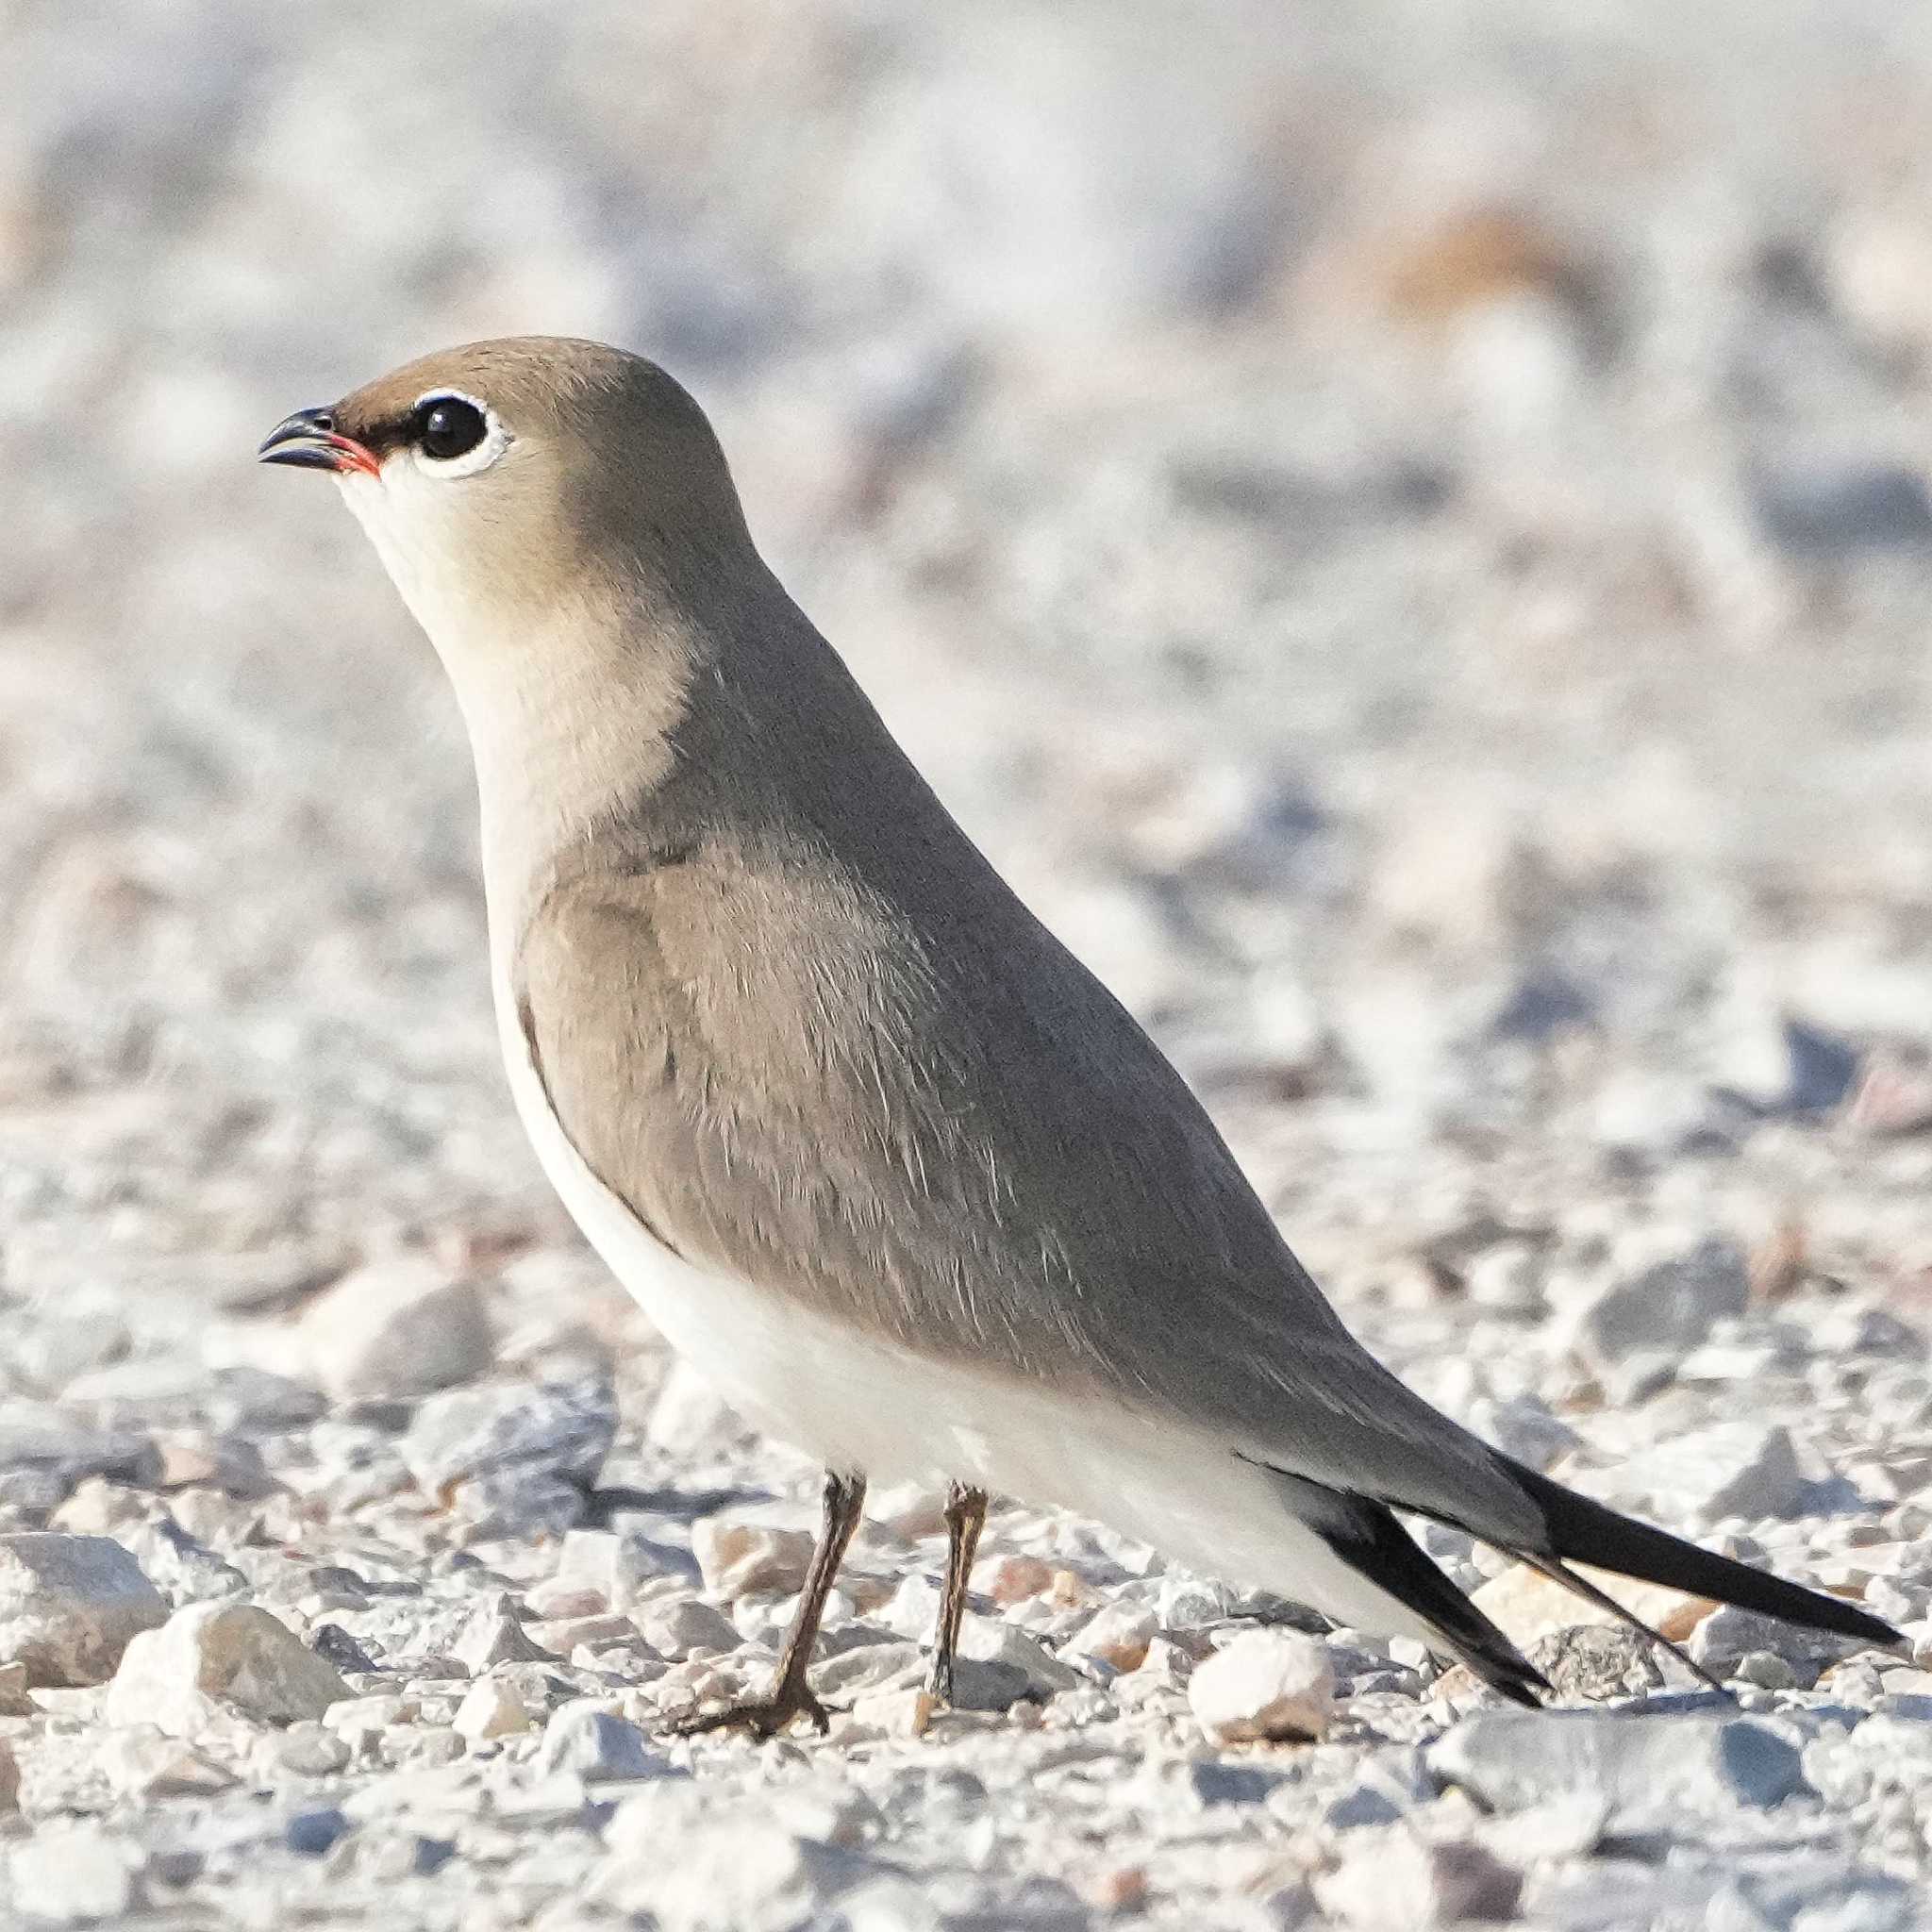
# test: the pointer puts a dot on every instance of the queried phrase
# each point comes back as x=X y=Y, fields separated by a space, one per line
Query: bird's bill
x=307 y=440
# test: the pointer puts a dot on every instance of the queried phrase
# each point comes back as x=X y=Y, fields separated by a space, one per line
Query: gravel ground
x=1405 y=530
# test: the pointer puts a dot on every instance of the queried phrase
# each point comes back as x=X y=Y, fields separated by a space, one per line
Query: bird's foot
x=764 y=1717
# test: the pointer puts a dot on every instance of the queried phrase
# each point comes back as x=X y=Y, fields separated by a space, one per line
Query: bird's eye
x=447 y=427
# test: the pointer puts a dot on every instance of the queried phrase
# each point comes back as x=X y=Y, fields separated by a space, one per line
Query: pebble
x=598 y=1747
x=731 y=1876
x=215 y=1659
x=1117 y=1635
x=73 y=1874
x=490 y=1708
x=676 y=1627
x=311 y=1833
x=14 y=1700
x=492 y=1634
x=1391 y=1881
x=1012 y=1579
x=308 y=1748
x=1636 y=1329
x=1722 y=1640
x=515 y=1456
x=613 y=1566
x=142 y=1762
x=1743 y=1468
x=10 y=1779
x=1648 y=1771
x=1528 y=1606
x=400 y=1326
x=70 y=1605
x=990 y=1641
x=184 y=1569
x=738 y=1558
x=1598 y=1661
x=1266 y=1684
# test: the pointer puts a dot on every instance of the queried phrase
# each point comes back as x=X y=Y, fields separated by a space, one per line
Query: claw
x=764 y=1717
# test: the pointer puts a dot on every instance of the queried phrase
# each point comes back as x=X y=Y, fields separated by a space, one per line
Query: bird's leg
x=790 y=1696
x=965 y=1514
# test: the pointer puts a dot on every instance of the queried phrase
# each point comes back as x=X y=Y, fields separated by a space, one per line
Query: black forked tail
x=1588 y=1532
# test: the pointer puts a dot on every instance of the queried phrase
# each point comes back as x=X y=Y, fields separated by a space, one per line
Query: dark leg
x=789 y=1697
x=965 y=1513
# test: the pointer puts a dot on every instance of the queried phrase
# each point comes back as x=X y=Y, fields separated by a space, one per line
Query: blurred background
x=1403 y=529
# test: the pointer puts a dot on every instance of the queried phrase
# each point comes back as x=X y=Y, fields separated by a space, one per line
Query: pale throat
x=569 y=705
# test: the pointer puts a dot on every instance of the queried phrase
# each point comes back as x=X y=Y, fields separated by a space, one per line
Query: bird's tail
x=1582 y=1531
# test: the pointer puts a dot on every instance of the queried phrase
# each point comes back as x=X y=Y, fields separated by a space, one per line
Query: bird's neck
x=563 y=728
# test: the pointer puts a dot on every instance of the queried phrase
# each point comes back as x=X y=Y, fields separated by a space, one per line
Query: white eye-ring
x=455 y=435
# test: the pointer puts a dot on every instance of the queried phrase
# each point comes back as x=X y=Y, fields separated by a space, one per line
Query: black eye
x=446 y=427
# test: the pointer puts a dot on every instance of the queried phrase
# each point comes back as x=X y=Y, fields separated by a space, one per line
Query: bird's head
x=506 y=484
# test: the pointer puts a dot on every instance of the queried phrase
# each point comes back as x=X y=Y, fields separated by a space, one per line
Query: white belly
x=871 y=1408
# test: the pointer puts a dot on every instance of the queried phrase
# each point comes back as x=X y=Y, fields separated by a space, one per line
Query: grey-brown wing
x=985 y=1162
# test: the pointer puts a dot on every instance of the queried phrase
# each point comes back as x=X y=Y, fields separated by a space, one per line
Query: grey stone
x=676 y=1627
x=1523 y=1427
x=69 y=1605
x=559 y=1429
x=494 y=1635
x=310 y=1833
x=182 y=1568
x=397 y=1327
x=1597 y=1661
x=1723 y=1639
x=1635 y=1330
x=1648 y=1769
x=46 y=1435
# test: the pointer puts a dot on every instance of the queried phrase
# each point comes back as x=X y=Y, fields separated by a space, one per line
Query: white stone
x=1730 y=1469
x=216 y=1661
x=1392 y=1881
x=738 y=1558
x=1271 y=1684
x=598 y=1747
x=613 y=1566
x=490 y=1708
x=399 y=1327
x=909 y=1509
x=993 y=1641
x=674 y=1626
x=1118 y=1636
x=1523 y=1427
x=72 y=1875
x=69 y=1605
x=728 y=1876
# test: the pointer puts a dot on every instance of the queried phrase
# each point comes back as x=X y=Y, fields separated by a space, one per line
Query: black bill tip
x=308 y=440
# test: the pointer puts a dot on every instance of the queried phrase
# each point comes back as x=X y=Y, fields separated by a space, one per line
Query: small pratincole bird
x=869 y=1146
